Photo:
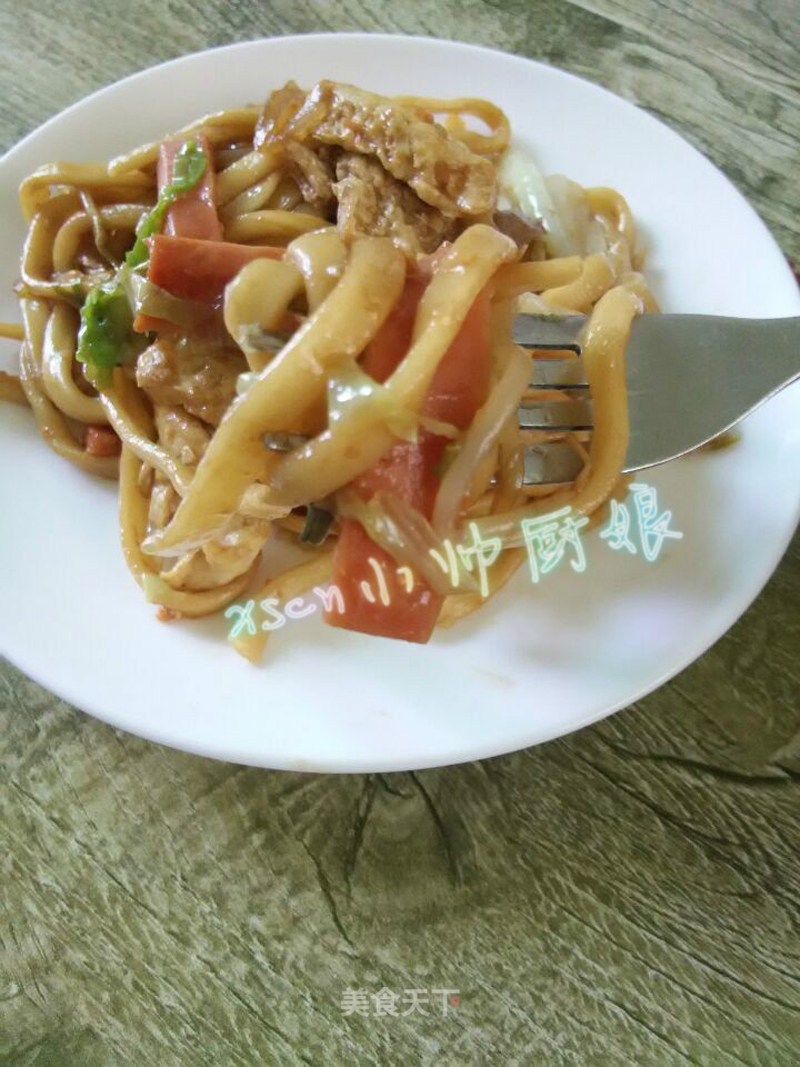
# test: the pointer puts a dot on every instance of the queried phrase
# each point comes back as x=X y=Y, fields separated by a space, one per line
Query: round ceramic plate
x=539 y=660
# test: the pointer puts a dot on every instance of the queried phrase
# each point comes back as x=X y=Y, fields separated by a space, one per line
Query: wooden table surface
x=629 y=895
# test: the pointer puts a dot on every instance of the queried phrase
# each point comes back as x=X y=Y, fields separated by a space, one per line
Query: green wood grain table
x=629 y=895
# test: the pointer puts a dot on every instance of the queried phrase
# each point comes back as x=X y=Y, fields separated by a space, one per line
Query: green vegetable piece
x=106 y=336
x=190 y=166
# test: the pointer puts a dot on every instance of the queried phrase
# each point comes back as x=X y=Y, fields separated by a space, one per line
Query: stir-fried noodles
x=295 y=322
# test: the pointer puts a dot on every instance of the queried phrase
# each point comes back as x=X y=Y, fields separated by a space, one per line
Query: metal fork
x=690 y=378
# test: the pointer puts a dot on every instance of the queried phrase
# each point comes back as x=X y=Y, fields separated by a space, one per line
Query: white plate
x=537 y=662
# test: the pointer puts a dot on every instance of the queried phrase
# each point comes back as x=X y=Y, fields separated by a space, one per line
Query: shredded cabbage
x=560 y=204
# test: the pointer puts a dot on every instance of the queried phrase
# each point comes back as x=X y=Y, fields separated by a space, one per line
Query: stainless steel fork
x=690 y=378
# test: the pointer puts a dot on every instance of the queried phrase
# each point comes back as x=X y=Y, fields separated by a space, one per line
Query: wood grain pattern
x=628 y=895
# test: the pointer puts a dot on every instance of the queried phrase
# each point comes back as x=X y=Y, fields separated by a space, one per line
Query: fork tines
x=556 y=416
x=556 y=463
x=557 y=365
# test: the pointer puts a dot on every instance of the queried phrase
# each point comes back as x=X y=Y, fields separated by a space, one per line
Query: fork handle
x=759 y=356
x=721 y=369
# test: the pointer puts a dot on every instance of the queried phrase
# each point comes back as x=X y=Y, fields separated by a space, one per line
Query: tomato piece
x=199 y=270
x=461 y=382
x=189 y=258
x=101 y=441
x=408 y=470
x=407 y=616
x=385 y=351
x=194 y=213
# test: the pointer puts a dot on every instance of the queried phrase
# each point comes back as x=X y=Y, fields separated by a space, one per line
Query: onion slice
x=480 y=437
x=99 y=231
x=559 y=204
x=149 y=300
x=351 y=388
